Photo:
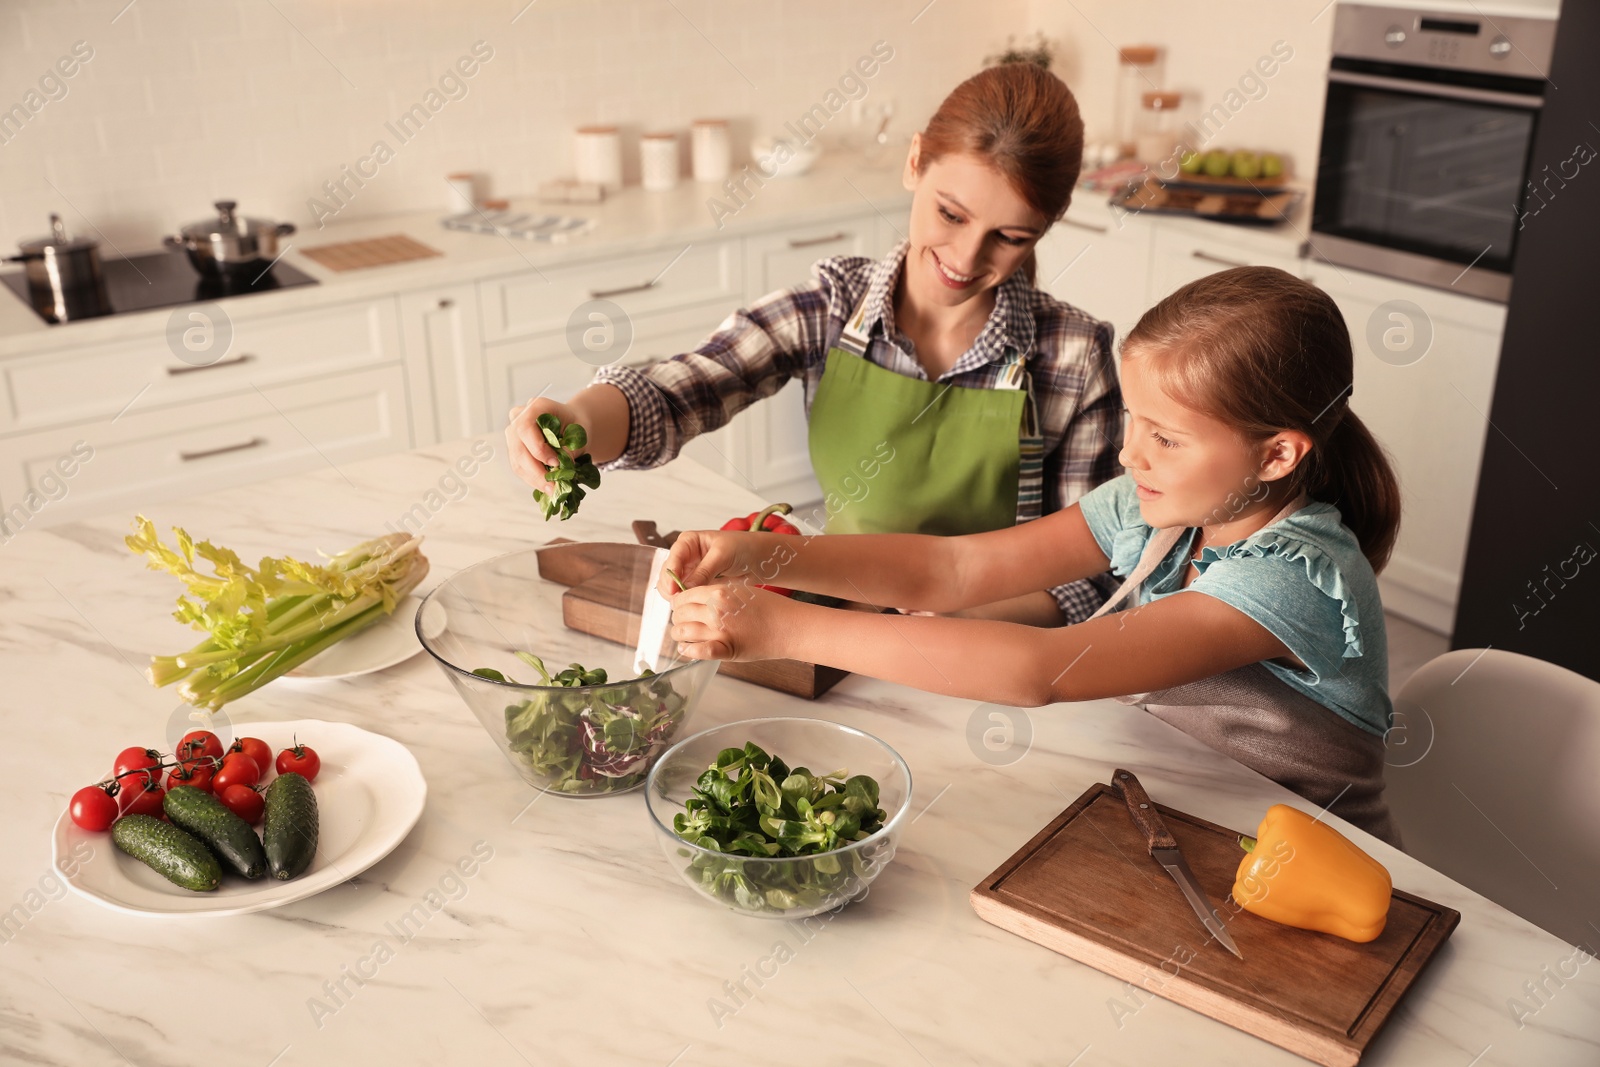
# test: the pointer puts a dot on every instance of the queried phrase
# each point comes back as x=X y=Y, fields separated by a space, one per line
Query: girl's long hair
x=1021 y=120
x=1263 y=351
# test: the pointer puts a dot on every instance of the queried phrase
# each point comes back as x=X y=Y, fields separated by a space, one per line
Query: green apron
x=903 y=455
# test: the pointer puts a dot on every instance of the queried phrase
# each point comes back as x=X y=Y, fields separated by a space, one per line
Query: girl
x=1249 y=481
x=972 y=399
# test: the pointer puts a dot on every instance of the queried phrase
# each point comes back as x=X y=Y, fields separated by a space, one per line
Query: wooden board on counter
x=599 y=602
x=372 y=252
x=1086 y=887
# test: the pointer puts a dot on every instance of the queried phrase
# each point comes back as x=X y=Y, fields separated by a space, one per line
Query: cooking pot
x=229 y=243
x=64 y=278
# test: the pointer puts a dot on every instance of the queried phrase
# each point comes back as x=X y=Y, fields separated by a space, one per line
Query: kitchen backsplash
x=171 y=104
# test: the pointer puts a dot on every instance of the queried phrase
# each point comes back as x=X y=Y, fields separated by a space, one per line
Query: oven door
x=1424 y=180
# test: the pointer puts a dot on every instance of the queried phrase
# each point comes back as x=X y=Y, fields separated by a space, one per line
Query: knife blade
x=1164 y=850
x=654 y=621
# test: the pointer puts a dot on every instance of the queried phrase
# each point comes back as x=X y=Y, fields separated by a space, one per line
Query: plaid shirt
x=787 y=335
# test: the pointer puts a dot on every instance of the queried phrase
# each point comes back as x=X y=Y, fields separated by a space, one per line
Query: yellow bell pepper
x=1302 y=872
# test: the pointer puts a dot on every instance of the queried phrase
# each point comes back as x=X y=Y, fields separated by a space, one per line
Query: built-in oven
x=1425 y=171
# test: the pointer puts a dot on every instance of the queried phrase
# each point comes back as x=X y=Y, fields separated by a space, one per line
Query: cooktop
x=167 y=279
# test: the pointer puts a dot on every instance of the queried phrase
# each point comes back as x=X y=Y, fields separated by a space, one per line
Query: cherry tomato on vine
x=196 y=772
x=93 y=808
x=136 y=758
x=199 y=743
x=256 y=749
x=301 y=759
x=237 y=769
x=141 y=794
x=243 y=802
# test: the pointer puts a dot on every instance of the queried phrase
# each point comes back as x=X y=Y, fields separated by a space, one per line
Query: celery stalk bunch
x=266 y=620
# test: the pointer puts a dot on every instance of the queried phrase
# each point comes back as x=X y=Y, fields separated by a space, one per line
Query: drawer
x=76 y=384
x=177 y=451
x=516 y=371
x=543 y=301
x=780 y=260
x=1180 y=257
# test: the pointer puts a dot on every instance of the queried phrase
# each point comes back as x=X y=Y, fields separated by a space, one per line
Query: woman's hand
x=702 y=556
x=530 y=454
x=729 y=620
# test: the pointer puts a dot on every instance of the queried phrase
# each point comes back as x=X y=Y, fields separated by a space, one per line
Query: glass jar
x=1138 y=72
x=1159 y=133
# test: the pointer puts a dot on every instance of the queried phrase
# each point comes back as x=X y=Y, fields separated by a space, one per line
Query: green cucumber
x=207 y=818
x=176 y=855
x=289 y=829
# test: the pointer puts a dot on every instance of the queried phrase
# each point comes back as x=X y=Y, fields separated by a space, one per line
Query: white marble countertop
x=575 y=943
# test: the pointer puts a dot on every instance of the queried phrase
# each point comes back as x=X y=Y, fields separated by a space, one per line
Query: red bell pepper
x=768 y=519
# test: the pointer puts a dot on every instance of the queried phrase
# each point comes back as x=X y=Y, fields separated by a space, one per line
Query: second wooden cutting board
x=1086 y=887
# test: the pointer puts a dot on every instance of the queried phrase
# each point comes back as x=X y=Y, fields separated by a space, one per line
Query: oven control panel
x=1518 y=47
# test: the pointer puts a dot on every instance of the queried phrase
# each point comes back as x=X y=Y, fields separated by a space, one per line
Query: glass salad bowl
x=779 y=886
x=525 y=637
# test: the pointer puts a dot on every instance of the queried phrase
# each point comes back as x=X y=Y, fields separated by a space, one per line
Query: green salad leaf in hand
x=573 y=472
x=751 y=804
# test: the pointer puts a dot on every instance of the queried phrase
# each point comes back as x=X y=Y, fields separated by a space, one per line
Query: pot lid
x=58 y=242
x=226 y=224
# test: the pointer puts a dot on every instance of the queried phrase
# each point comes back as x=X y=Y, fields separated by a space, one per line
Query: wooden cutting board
x=600 y=602
x=1086 y=887
x=373 y=252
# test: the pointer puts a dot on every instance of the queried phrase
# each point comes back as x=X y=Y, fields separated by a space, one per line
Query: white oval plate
x=370 y=793
x=383 y=644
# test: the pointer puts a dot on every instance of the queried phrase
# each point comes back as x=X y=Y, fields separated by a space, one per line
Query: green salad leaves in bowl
x=520 y=638
x=780 y=818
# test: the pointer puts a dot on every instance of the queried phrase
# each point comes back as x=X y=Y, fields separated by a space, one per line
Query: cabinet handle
x=1091 y=227
x=190 y=457
x=445 y=303
x=602 y=294
x=810 y=242
x=245 y=357
x=1209 y=258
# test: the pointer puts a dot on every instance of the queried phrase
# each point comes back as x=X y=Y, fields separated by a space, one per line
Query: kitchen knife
x=1164 y=850
x=654 y=621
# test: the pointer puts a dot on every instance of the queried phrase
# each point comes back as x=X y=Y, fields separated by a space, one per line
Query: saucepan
x=230 y=243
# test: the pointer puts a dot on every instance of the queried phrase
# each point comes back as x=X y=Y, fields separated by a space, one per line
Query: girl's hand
x=728 y=620
x=702 y=556
x=530 y=454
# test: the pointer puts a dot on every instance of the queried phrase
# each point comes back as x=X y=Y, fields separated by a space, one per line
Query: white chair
x=1494 y=779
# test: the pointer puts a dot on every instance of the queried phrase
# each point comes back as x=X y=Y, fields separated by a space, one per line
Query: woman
x=972 y=399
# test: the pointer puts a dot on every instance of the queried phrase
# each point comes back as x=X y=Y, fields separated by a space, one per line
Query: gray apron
x=1254 y=717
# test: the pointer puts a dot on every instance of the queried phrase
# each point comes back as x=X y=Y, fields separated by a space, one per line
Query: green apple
x=1216 y=163
x=1191 y=162
x=1246 y=165
x=1271 y=165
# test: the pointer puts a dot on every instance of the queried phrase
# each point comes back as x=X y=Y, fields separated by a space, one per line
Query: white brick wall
x=189 y=101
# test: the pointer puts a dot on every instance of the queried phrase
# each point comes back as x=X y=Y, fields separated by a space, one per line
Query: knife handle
x=1143 y=810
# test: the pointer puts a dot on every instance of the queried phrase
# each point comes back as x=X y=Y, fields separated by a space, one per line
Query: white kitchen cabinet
x=544 y=300
x=1186 y=250
x=1432 y=417
x=163 y=451
x=1098 y=264
x=444 y=364
x=100 y=382
x=546 y=365
x=779 y=260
